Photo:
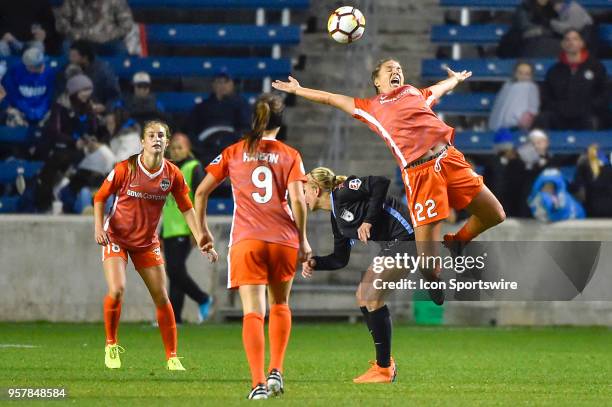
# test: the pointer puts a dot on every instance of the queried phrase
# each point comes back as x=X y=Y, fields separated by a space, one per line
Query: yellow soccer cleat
x=111 y=356
x=377 y=374
x=175 y=364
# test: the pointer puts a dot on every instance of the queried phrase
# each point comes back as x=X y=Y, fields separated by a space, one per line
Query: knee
x=116 y=293
x=500 y=215
x=279 y=301
x=160 y=299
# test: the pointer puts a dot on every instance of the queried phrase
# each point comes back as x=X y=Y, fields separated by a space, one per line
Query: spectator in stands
x=550 y=201
x=504 y=172
x=104 y=23
x=30 y=87
x=530 y=34
x=223 y=111
x=106 y=84
x=27 y=23
x=142 y=105
x=72 y=127
x=125 y=134
x=574 y=93
x=593 y=183
x=572 y=16
x=518 y=102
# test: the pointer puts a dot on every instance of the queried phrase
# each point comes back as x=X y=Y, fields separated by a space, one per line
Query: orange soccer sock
x=254 y=343
x=167 y=328
x=465 y=234
x=279 y=330
x=112 y=313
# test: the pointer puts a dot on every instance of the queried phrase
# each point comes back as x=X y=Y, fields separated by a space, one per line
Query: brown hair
x=266 y=105
x=376 y=70
x=133 y=158
x=325 y=178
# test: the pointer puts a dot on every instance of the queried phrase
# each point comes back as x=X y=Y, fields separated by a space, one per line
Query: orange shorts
x=432 y=188
x=141 y=259
x=255 y=262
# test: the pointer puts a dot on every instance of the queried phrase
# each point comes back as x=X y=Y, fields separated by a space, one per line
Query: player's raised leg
x=486 y=211
x=114 y=272
x=253 y=299
x=279 y=331
x=155 y=280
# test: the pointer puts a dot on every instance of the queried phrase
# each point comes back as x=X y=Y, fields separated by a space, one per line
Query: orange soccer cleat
x=377 y=374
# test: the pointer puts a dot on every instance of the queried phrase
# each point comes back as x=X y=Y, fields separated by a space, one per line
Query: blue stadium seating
x=511 y=4
x=220 y=206
x=252 y=68
x=466 y=104
x=176 y=102
x=9 y=204
x=13 y=135
x=568 y=142
x=487 y=33
x=216 y=34
x=493 y=69
x=10 y=169
x=269 y=4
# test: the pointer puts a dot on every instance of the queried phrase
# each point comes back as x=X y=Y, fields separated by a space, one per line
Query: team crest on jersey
x=216 y=160
x=347 y=216
x=165 y=184
x=354 y=184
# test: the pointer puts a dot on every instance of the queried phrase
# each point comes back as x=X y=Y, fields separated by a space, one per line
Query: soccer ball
x=346 y=24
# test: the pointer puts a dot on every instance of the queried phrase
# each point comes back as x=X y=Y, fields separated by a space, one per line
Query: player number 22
x=430 y=204
x=264 y=183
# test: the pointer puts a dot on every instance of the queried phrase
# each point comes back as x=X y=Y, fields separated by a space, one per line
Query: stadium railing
x=246 y=68
x=561 y=142
x=512 y=4
x=488 y=33
x=178 y=102
x=491 y=69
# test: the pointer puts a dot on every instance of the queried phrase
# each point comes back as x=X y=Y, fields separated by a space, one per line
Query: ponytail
x=266 y=116
x=325 y=178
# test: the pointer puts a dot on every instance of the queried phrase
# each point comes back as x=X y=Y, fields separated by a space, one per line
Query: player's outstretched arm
x=298 y=207
x=100 y=234
x=454 y=78
x=206 y=187
x=342 y=102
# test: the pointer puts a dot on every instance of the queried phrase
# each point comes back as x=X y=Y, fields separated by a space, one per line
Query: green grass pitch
x=437 y=366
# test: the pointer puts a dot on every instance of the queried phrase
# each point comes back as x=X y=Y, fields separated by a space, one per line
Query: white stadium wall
x=50 y=269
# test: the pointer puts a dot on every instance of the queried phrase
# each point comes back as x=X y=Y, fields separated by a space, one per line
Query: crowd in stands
x=78 y=119
x=574 y=95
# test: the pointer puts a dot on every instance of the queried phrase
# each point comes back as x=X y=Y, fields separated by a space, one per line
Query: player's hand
x=206 y=242
x=289 y=87
x=212 y=255
x=364 y=232
x=308 y=268
x=460 y=76
x=2 y=93
x=101 y=237
x=304 y=252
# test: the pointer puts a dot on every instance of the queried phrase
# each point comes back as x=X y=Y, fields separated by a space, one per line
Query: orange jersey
x=139 y=199
x=259 y=186
x=404 y=119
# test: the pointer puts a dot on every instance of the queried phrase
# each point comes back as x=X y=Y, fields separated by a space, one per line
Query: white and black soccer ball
x=346 y=24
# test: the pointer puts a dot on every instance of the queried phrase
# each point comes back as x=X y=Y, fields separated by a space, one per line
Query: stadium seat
x=269 y=4
x=512 y=4
x=487 y=33
x=492 y=69
x=13 y=135
x=10 y=169
x=218 y=206
x=216 y=34
x=568 y=142
x=249 y=68
x=177 y=102
x=9 y=204
x=466 y=104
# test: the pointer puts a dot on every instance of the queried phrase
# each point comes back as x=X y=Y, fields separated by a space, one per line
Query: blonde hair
x=325 y=178
x=133 y=158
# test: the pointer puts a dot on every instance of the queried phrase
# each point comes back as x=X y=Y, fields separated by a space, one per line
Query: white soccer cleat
x=276 y=385
x=258 y=392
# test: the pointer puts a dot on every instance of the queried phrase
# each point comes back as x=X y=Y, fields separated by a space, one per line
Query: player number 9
x=265 y=184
